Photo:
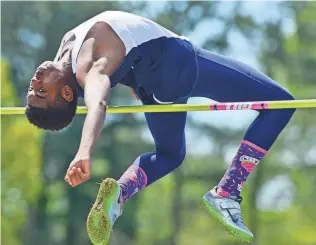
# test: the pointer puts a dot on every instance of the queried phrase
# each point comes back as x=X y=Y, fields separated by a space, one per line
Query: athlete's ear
x=67 y=93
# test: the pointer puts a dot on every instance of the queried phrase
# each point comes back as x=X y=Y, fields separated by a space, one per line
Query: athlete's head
x=52 y=96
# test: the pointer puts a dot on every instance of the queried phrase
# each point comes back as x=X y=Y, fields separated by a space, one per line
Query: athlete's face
x=46 y=86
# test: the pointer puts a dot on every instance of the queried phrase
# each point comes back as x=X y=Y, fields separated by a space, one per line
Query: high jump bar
x=256 y=105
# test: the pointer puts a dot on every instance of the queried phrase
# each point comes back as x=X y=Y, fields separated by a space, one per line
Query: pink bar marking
x=255 y=146
x=259 y=105
x=240 y=106
x=221 y=106
x=218 y=106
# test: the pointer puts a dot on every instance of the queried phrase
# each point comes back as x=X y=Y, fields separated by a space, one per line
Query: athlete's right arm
x=97 y=92
x=100 y=56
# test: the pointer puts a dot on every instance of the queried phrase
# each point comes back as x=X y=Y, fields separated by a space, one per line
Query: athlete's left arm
x=67 y=37
x=99 y=57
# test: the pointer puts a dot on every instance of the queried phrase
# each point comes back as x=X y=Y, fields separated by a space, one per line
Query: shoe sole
x=98 y=221
x=244 y=237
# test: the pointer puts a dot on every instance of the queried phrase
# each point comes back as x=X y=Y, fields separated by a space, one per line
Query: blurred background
x=39 y=208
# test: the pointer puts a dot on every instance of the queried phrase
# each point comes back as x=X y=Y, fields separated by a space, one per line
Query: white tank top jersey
x=133 y=30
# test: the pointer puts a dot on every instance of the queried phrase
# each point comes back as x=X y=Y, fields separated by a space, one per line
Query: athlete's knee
x=181 y=156
x=175 y=157
x=280 y=117
x=285 y=95
x=287 y=113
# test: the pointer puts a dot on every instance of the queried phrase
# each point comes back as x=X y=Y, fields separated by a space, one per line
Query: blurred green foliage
x=21 y=178
x=39 y=208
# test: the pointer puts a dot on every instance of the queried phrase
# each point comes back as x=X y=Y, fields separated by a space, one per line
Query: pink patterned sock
x=132 y=181
x=247 y=157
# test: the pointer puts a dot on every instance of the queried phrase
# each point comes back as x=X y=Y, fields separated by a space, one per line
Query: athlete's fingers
x=76 y=177
x=83 y=176
x=71 y=177
x=79 y=177
x=71 y=172
x=67 y=178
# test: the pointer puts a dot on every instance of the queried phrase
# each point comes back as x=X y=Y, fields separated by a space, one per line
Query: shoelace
x=236 y=199
x=237 y=217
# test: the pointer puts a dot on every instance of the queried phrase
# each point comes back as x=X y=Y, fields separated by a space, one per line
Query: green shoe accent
x=242 y=236
x=99 y=225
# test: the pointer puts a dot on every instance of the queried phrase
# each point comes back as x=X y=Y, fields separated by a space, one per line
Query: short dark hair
x=55 y=117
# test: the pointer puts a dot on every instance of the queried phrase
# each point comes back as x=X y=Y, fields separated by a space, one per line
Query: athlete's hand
x=78 y=171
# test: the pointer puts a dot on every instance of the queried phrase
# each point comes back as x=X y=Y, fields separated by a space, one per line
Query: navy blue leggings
x=223 y=80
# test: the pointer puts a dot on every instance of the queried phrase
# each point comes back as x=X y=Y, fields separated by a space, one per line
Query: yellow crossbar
x=257 y=105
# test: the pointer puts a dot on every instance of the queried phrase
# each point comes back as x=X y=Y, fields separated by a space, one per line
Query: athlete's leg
x=168 y=133
x=226 y=80
x=167 y=130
